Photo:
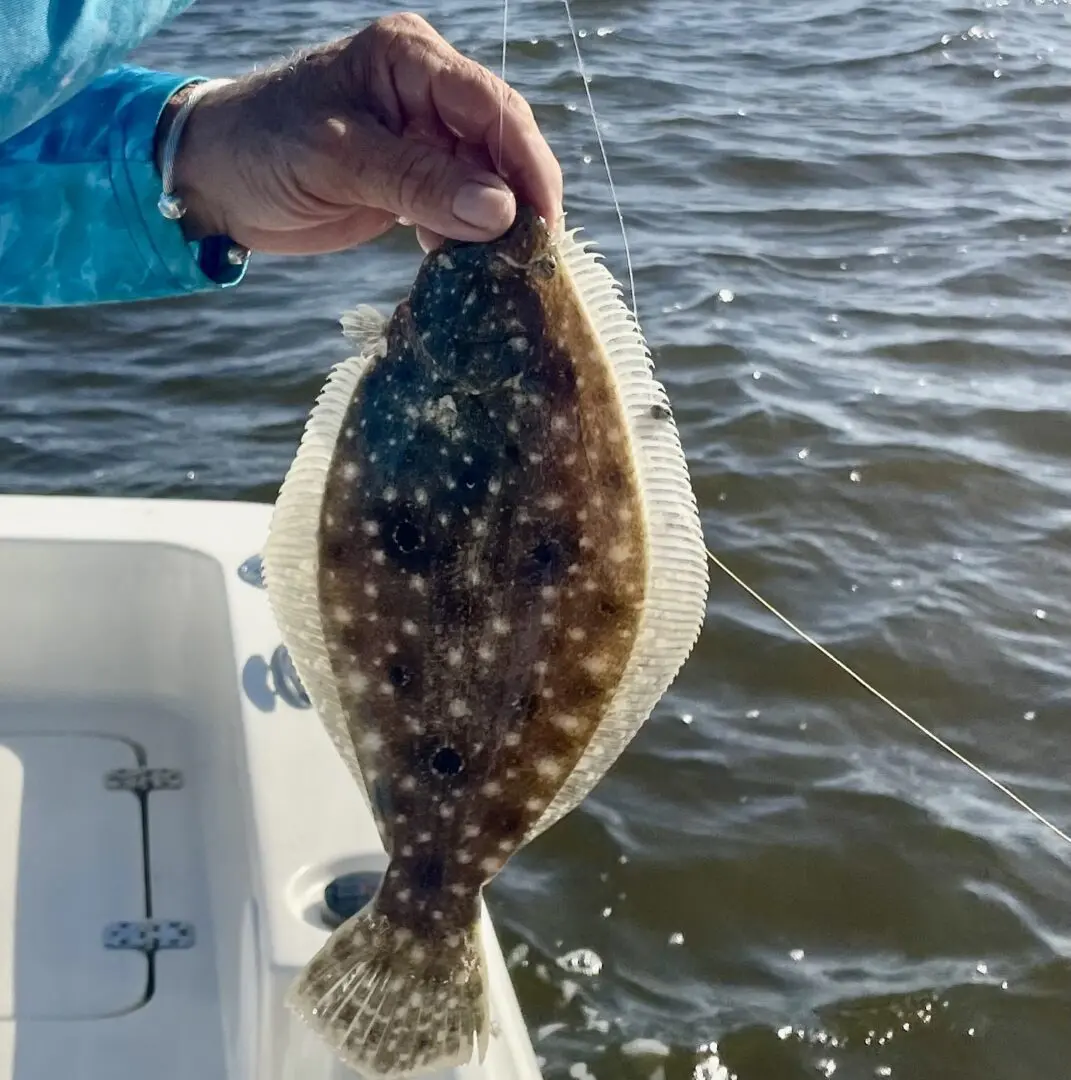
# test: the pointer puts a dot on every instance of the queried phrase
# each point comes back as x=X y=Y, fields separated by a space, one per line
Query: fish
x=486 y=563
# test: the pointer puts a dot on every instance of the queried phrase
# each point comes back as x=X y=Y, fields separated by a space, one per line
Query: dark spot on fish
x=427 y=872
x=614 y=477
x=447 y=761
x=527 y=706
x=544 y=563
x=660 y=412
x=405 y=540
x=610 y=608
x=513 y=453
x=399 y=675
x=507 y=821
x=334 y=551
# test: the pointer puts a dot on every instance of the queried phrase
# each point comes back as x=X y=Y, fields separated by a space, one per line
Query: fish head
x=480 y=308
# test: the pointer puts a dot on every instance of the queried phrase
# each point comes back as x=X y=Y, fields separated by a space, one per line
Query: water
x=850 y=226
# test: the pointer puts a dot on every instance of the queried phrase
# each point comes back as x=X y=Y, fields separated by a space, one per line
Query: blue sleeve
x=78 y=184
x=52 y=49
x=78 y=194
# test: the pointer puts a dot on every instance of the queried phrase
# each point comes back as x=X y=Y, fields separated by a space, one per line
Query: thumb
x=434 y=189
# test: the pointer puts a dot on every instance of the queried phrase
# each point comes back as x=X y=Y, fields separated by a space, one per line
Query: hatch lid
x=71 y=863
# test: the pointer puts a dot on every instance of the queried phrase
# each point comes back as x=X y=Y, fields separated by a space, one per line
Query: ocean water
x=849 y=222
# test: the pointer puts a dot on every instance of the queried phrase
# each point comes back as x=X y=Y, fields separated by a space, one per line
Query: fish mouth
x=525 y=245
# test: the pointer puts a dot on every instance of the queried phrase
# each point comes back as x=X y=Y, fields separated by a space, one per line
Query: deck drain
x=347 y=894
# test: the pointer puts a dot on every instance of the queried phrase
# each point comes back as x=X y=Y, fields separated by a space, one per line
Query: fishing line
x=761 y=601
x=918 y=725
x=605 y=157
x=502 y=88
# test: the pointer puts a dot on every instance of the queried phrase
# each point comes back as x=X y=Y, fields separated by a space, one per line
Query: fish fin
x=678 y=575
x=388 y=1004
x=366 y=328
x=291 y=555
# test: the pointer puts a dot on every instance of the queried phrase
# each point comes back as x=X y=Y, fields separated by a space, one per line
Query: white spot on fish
x=486 y=653
x=409 y=627
x=421 y=497
x=511 y=738
x=454 y=657
x=349 y=470
x=548 y=768
x=370 y=589
x=472 y=831
x=371 y=528
x=491 y=865
x=492 y=787
x=458 y=707
x=372 y=741
x=500 y=626
x=619 y=552
x=356 y=682
x=576 y=633
x=407 y=783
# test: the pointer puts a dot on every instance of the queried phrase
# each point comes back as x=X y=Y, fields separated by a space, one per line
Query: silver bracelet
x=169 y=204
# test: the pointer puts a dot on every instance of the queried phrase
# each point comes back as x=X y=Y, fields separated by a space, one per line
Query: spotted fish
x=487 y=565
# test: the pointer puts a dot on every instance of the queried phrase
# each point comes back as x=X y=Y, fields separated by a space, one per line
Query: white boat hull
x=129 y=641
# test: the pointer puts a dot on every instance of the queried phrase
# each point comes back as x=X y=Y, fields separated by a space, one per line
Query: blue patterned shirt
x=78 y=182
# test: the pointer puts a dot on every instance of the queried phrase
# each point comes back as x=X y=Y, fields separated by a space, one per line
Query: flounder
x=486 y=562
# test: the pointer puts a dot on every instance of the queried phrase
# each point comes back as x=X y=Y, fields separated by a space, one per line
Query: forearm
x=79 y=222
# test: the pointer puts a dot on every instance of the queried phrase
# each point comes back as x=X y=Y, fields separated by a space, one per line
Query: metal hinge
x=142 y=780
x=149 y=935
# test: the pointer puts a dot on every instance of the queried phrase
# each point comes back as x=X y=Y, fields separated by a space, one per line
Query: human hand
x=334 y=148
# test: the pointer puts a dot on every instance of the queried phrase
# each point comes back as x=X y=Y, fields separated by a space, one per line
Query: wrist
x=195 y=165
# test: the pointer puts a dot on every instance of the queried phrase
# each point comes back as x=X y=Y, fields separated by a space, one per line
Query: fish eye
x=545 y=266
x=447 y=761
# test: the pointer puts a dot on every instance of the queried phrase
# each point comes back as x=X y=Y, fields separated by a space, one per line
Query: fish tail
x=392 y=1003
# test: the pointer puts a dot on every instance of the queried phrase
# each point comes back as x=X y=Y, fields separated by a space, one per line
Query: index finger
x=482 y=110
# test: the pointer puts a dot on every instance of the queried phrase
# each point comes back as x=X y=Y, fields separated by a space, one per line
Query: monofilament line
x=502 y=89
x=932 y=736
x=605 y=156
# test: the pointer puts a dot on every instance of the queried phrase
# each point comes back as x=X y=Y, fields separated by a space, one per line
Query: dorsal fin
x=678 y=576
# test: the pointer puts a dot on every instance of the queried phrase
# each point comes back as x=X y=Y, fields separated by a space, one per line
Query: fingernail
x=484 y=204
